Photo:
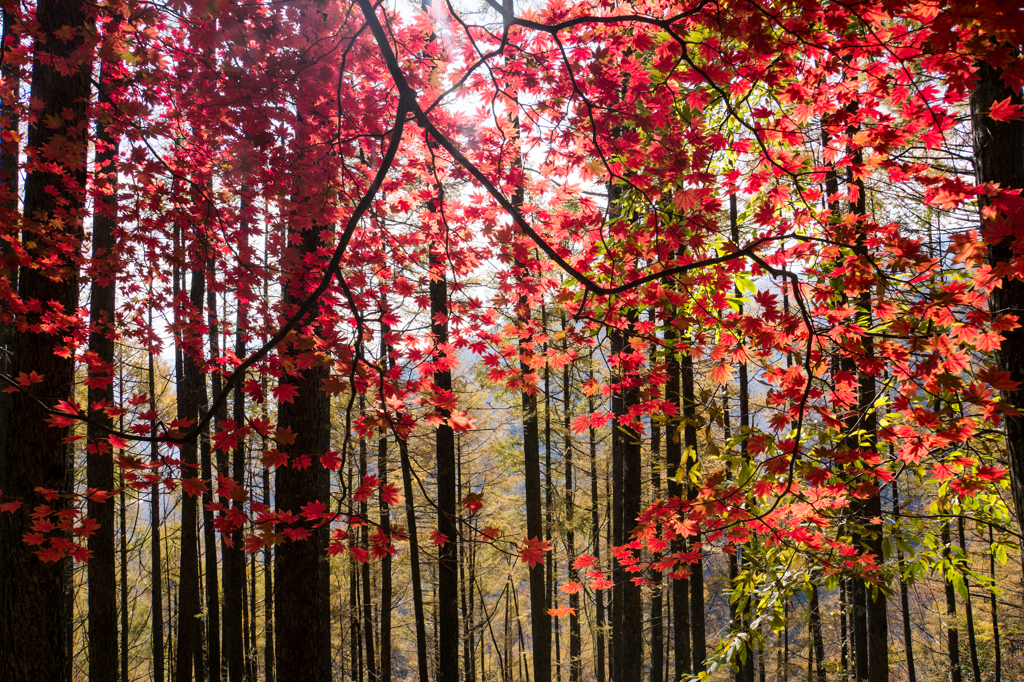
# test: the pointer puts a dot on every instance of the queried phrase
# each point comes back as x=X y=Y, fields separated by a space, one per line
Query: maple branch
x=589 y=284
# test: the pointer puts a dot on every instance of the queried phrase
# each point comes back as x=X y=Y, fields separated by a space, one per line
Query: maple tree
x=699 y=184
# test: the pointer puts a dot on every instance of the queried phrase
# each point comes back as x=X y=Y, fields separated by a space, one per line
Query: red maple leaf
x=532 y=551
x=285 y=393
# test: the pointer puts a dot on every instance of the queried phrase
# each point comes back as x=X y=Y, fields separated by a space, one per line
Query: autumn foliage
x=738 y=183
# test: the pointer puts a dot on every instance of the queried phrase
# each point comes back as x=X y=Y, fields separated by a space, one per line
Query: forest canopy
x=614 y=340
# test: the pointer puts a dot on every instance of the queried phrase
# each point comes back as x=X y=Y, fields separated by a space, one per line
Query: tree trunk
x=595 y=540
x=952 y=634
x=302 y=644
x=575 y=643
x=999 y=158
x=673 y=457
x=696 y=580
x=234 y=558
x=364 y=539
x=997 y=673
x=908 y=636
x=210 y=542
x=33 y=630
x=972 y=643
x=189 y=609
x=156 y=585
x=414 y=563
x=447 y=519
x=385 y=526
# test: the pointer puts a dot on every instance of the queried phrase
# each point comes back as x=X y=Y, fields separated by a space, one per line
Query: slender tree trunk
x=371 y=662
x=124 y=579
x=100 y=466
x=972 y=643
x=269 y=662
x=697 y=619
x=189 y=609
x=952 y=634
x=33 y=629
x=156 y=585
x=746 y=672
x=575 y=643
x=385 y=526
x=465 y=589
x=595 y=539
x=657 y=621
x=235 y=651
x=414 y=563
x=212 y=607
x=908 y=636
x=997 y=673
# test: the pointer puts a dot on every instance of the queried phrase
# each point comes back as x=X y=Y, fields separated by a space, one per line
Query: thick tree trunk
x=33 y=630
x=301 y=641
x=999 y=158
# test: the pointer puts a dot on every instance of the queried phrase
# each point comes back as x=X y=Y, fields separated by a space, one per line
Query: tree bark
x=952 y=634
x=447 y=519
x=33 y=631
x=999 y=158
x=301 y=643
x=100 y=465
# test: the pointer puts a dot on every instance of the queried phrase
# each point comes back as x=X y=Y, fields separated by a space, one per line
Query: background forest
x=608 y=341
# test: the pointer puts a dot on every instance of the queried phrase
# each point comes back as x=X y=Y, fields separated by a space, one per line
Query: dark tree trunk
x=595 y=539
x=575 y=643
x=234 y=557
x=626 y=474
x=447 y=520
x=100 y=467
x=212 y=606
x=364 y=539
x=301 y=640
x=33 y=631
x=999 y=158
x=385 y=525
x=972 y=643
x=997 y=672
x=952 y=634
x=414 y=563
x=908 y=637
x=673 y=457
x=156 y=584
x=189 y=637
x=269 y=663
x=657 y=621
x=696 y=580
x=124 y=583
